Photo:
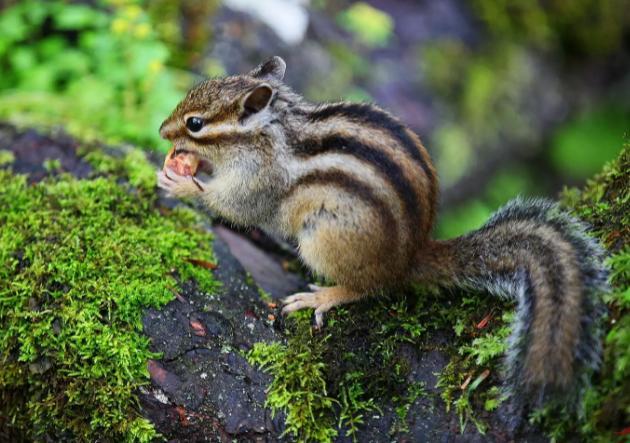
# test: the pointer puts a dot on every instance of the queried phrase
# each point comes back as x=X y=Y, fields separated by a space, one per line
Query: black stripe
x=354 y=187
x=387 y=168
x=555 y=275
x=545 y=255
x=377 y=118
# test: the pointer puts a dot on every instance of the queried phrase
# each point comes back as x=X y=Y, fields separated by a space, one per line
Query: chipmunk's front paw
x=179 y=185
x=321 y=299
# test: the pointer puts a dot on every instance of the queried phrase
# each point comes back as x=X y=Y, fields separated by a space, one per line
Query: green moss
x=79 y=261
x=469 y=382
x=299 y=385
x=361 y=366
x=415 y=391
x=354 y=404
x=604 y=202
x=132 y=165
x=52 y=165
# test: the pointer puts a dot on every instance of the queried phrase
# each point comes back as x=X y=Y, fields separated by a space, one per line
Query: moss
x=132 y=165
x=361 y=363
x=415 y=391
x=299 y=385
x=52 y=165
x=469 y=382
x=79 y=261
x=604 y=202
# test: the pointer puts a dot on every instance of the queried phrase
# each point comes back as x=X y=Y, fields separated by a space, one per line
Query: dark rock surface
x=203 y=389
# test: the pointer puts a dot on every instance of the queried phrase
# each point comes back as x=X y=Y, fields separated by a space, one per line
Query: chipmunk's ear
x=271 y=69
x=256 y=100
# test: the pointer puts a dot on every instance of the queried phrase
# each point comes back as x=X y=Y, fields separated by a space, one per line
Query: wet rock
x=174 y=340
x=169 y=382
x=215 y=324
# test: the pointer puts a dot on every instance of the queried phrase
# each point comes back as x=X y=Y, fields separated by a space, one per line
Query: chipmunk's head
x=220 y=113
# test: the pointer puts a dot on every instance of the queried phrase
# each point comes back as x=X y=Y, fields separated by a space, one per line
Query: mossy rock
x=79 y=261
x=105 y=288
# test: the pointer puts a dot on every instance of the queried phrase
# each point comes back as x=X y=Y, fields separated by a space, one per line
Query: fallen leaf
x=625 y=431
x=271 y=317
x=466 y=383
x=198 y=328
x=157 y=372
x=483 y=323
x=202 y=263
x=272 y=305
x=182 y=415
x=479 y=379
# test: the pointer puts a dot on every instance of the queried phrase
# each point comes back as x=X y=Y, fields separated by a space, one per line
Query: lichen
x=79 y=261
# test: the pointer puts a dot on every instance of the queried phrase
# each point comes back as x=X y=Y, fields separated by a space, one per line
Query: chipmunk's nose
x=168 y=129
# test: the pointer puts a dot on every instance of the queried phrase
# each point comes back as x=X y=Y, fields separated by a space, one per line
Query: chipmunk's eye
x=194 y=124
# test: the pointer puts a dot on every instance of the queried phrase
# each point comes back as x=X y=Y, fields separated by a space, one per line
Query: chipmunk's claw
x=321 y=299
x=303 y=300
x=179 y=185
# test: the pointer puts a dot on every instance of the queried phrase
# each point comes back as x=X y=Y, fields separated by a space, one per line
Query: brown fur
x=357 y=190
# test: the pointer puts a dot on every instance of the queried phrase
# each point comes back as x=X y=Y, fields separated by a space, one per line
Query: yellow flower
x=119 y=26
x=155 y=66
x=142 y=30
x=132 y=11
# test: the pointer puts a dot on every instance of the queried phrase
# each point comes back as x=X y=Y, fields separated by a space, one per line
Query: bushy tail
x=542 y=257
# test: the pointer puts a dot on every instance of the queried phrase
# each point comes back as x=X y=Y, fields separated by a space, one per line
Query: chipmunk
x=356 y=189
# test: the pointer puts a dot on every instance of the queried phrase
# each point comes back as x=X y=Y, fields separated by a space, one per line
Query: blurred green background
x=510 y=97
